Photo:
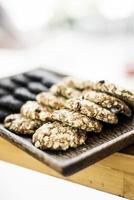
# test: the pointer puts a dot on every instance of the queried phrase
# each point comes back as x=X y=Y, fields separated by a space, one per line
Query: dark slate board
x=97 y=147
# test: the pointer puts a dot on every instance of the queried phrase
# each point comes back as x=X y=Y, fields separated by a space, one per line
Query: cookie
x=62 y=90
x=48 y=99
x=55 y=136
x=116 y=91
x=77 y=84
x=76 y=120
x=32 y=110
x=108 y=101
x=91 y=109
x=21 y=125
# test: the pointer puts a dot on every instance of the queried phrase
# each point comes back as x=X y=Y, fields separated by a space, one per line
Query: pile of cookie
x=62 y=117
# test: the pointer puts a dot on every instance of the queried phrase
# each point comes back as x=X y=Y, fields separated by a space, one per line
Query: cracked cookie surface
x=33 y=110
x=48 y=99
x=77 y=83
x=55 y=136
x=92 y=110
x=108 y=101
x=65 y=91
x=110 y=88
x=76 y=120
x=21 y=125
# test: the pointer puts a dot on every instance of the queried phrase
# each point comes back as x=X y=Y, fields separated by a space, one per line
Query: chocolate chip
x=102 y=81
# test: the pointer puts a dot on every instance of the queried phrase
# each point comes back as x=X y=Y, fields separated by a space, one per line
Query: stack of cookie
x=63 y=117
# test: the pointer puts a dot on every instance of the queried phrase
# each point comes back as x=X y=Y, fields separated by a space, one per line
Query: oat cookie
x=78 y=84
x=55 y=136
x=76 y=120
x=33 y=110
x=108 y=101
x=48 y=99
x=91 y=109
x=114 y=90
x=65 y=91
x=21 y=125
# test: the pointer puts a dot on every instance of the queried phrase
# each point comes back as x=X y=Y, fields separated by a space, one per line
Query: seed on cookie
x=108 y=101
x=76 y=120
x=33 y=110
x=48 y=99
x=55 y=136
x=116 y=91
x=65 y=91
x=91 y=109
x=21 y=125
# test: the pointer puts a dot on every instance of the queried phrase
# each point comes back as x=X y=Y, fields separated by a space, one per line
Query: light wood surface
x=129 y=186
x=114 y=174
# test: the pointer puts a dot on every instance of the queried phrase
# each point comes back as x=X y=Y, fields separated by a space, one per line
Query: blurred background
x=91 y=39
